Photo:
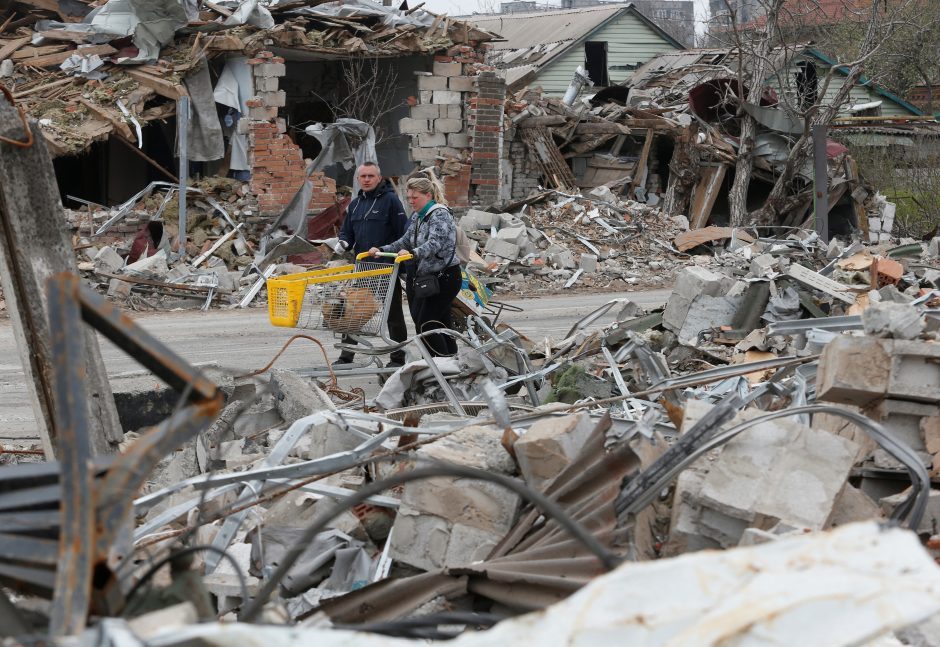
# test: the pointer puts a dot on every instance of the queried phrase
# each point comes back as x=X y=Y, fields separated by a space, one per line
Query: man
x=376 y=217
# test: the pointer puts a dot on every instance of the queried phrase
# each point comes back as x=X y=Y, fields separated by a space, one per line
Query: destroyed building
x=747 y=458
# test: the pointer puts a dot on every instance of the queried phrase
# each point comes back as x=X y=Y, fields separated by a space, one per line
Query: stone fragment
x=549 y=446
x=297 y=397
x=448 y=521
x=589 y=263
x=502 y=248
x=707 y=312
x=893 y=320
x=692 y=282
x=108 y=260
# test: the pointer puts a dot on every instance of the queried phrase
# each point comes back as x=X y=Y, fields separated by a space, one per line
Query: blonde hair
x=426 y=181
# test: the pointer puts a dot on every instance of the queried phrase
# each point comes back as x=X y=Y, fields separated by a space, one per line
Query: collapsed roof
x=85 y=73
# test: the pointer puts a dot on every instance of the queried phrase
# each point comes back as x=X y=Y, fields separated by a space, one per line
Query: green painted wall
x=629 y=42
x=858 y=94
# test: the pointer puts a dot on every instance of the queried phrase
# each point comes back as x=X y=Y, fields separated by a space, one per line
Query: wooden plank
x=9 y=47
x=705 y=194
x=640 y=172
x=44 y=86
x=162 y=87
x=58 y=59
x=111 y=116
x=138 y=280
x=601 y=128
x=861 y=215
x=34 y=52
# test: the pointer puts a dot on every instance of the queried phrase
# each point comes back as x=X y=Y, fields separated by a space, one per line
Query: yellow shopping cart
x=350 y=299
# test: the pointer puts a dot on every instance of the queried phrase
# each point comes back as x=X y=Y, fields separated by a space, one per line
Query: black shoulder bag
x=428 y=285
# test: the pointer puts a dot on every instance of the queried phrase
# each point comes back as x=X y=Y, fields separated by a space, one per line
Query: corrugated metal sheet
x=537 y=563
x=524 y=30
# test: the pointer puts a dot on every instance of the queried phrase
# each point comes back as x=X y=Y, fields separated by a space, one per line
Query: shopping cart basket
x=350 y=299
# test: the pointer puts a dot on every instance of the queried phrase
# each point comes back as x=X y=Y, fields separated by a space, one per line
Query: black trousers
x=434 y=312
x=397 y=329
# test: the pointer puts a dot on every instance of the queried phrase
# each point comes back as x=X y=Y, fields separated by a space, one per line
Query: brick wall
x=278 y=169
x=486 y=135
x=277 y=165
x=440 y=116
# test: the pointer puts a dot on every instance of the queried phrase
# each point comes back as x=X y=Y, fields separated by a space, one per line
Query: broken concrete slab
x=448 y=521
x=691 y=283
x=297 y=397
x=779 y=471
x=549 y=446
x=707 y=312
x=859 y=370
x=893 y=320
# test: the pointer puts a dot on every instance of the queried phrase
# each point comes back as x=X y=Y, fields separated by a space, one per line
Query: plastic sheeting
x=390 y=16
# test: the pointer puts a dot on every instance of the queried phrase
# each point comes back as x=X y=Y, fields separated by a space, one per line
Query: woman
x=431 y=238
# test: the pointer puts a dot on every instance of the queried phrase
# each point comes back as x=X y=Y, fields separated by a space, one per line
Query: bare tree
x=366 y=92
x=779 y=36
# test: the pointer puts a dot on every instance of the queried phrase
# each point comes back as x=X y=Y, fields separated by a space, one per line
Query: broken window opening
x=595 y=61
x=807 y=84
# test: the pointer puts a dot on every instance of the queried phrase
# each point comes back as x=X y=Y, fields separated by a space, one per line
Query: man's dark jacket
x=374 y=218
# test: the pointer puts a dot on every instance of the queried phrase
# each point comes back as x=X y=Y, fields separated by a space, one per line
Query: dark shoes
x=395 y=362
x=342 y=361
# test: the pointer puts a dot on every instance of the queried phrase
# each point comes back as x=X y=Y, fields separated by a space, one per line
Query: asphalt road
x=244 y=340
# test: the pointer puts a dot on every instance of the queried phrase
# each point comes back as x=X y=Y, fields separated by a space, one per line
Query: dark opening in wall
x=595 y=60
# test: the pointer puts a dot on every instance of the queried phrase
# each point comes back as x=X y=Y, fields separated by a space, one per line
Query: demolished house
x=750 y=461
x=267 y=91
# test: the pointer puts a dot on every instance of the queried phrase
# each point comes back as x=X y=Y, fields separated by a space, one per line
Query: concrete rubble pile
x=636 y=441
x=555 y=241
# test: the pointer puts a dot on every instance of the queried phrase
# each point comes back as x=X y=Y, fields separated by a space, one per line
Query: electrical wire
x=182 y=552
x=426 y=627
x=608 y=559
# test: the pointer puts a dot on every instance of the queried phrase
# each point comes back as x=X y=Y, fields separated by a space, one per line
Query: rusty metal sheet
x=695 y=237
x=537 y=563
x=72 y=595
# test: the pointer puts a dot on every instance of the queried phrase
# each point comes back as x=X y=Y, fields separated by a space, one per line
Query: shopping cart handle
x=398 y=259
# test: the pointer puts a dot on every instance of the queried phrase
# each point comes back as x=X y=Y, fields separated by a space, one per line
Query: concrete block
x=276 y=99
x=589 y=263
x=684 y=528
x=108 y=260
x=460 y=84
x=858 y=370
x=779 y=471
x=446 y=522
x=430 y=140
x=853 y=505
x=262 y=113
x=270 y=70
x=409 y=126
x=502 y=248
x=448 y=125
x=424 y=154
x=692 y=282
x=458 y=140
x=893 y=320
x=447 y=69
x=707 y=312
x=905 y=419
x=763 y=264
x=296 y=396
x=266 y=84
x=563 y=260
x=453 y=111
x=425 y=96
x=446 y=97
x=426 y=111
x=431 y=83
x=152 y=266
x=515 y=235
x=550 y=445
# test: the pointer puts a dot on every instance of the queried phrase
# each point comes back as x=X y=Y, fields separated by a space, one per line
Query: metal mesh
x=349 y=304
